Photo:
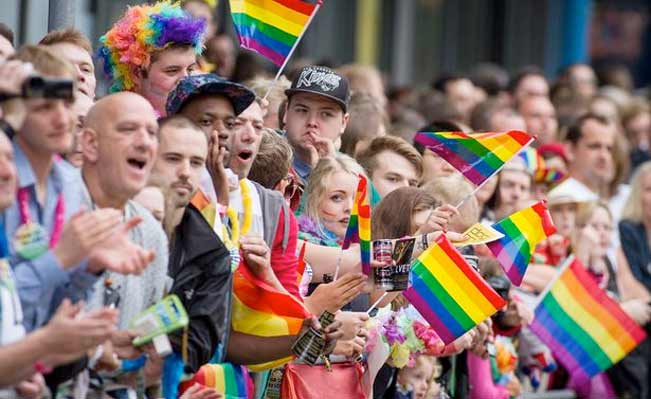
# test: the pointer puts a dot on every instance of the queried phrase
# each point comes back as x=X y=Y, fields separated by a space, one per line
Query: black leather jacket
x=199 y=263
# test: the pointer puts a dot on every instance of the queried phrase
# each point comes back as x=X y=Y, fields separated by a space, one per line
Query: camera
x=40 y=87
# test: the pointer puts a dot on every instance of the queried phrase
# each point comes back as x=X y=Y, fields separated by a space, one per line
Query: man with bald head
x=119 y=144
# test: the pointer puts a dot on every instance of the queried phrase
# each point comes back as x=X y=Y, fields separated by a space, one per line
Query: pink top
x=480 y=380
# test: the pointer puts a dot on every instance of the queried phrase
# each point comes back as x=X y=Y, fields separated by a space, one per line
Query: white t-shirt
x=11 y=313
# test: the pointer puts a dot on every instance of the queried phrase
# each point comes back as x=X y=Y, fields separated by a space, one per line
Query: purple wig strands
x=142 y=30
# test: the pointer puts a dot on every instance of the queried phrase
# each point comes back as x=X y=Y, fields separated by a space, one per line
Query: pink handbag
x=302 y=381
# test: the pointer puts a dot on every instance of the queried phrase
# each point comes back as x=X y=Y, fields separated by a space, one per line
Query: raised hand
x=122 y=343
x=321 y=147
x=12 y=75
x=217 y=170
x=83 y=232
x=438 y=219
x=32 y=388
x=68 y=336
x=118 y=254
x=333 y=296
x=353 y=324
x=638 y=309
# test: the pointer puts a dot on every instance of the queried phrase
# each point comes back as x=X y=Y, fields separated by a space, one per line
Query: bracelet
x=424 y=244
x=6 y=127
x=41 y=368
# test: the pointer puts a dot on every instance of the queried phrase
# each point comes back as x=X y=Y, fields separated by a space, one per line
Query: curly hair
x=144 y=30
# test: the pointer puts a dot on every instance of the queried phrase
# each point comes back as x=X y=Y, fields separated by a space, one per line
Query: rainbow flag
x=522 y=231
x=271 y=28
x=206 y=207
x=532 y=159
x=478 y=156
x=259 y=309
x=550 y=176
x=230 y=380
x=448 y=292
x=359 y=224
x=585 y=329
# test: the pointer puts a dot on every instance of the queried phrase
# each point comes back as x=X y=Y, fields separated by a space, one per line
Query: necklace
x=246 y=204
x=31 y=239
x=231 y=240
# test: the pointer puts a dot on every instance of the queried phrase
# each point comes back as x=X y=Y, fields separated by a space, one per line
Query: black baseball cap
x=322 y=81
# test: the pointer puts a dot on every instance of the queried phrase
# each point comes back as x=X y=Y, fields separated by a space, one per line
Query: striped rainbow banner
x=585 y=329
x=270 y=27
x=359 y=224
x=448 y=292
x=259 y=309
x=478 y=156
x=231 y=381
x=522 y=230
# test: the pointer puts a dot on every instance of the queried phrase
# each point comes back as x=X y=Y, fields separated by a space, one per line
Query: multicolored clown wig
x=143 y=30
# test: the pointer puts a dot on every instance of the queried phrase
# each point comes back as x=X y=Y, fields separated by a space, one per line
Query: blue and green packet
x=166 y=316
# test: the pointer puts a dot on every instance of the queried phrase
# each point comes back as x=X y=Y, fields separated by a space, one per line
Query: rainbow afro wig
x=143 y=30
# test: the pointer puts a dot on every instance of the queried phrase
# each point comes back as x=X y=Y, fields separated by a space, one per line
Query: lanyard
x=26 y=218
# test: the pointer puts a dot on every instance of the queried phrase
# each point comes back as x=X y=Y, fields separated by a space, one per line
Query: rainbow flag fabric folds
x=522 y=231
x=230 y=380
x=259 y=309
x=448 y=292
x=207 y=208
x=270 y=27
x=359 y=224
x=584 y=328
x=477 y=156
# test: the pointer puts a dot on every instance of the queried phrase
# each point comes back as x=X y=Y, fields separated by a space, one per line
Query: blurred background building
x=412 y=41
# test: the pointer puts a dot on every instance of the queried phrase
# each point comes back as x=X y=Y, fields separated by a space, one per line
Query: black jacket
x=200 y=266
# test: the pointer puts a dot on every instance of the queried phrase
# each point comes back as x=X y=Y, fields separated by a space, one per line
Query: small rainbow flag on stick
x=522 y=231
x=359 y=224
x=584 y=328
x=230 y=380
x=259 y=309
x=271 y=28
x=478 y=156
x=448 y=292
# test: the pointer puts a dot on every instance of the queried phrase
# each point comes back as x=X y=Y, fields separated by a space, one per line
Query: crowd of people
x=104 y=202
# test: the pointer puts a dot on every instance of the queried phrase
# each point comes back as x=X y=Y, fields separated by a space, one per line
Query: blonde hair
x=67 y=35
x=452 y=189
x=260 y=85
x=633 y=207
x=586 y=211
x=320 y=177
x=362 y=78
x=45 y=61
